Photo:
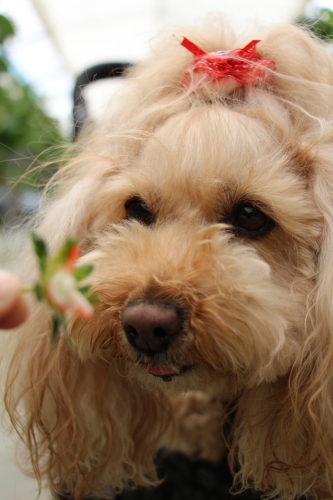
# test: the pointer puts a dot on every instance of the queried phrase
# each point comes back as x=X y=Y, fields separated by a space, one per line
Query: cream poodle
x=206 y=208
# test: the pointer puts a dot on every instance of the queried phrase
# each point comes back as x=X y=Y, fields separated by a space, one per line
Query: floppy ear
x=283 y=433
x=86 y=425
x=282 y=439
x=311 y=382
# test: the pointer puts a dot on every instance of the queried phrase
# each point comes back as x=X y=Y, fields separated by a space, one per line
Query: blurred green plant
x=322 y=26
x=26 y=132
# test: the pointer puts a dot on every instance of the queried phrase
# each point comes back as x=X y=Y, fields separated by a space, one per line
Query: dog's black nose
x=149 y=327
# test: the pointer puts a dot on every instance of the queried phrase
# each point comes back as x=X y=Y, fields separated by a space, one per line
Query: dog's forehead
x=211 y=158
x=209 y=144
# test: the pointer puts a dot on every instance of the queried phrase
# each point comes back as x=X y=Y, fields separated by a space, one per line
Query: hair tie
x=242 y=65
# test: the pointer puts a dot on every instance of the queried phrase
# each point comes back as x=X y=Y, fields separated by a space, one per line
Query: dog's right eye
x=251 y=222
x=136 y=209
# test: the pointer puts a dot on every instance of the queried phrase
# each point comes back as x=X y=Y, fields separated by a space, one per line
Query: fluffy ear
x=86 y=425
x=288 y=424
x=311 y=382
x=282 y=439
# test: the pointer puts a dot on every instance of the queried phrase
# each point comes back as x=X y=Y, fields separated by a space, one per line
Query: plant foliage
x=322 y=27
x=25 y=129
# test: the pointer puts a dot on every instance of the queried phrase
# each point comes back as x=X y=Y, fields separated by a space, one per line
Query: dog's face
x=205 y=252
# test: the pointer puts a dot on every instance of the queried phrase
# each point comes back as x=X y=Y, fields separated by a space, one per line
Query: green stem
x=27 y=289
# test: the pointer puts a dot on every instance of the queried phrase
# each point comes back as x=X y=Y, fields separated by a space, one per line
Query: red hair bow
x=243 y=65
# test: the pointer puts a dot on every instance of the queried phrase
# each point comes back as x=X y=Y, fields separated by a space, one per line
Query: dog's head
x=204 y=232
x=206 y=251
x=207 y=214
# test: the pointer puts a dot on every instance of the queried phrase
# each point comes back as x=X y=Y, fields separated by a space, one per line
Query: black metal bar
x=90 y=75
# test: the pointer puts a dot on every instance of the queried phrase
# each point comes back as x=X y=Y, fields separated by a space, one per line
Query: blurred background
x=44 y=46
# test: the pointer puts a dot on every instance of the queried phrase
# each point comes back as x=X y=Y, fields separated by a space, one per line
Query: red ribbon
x=243 y=65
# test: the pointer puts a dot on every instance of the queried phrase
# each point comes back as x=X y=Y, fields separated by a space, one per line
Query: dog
x=206 y=207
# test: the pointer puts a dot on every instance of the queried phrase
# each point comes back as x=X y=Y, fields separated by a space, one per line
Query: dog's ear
x=86 y=425
x=311 y=381
x=304 y=82
x=284 y=430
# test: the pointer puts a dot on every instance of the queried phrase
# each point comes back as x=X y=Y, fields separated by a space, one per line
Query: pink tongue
x=158 y=370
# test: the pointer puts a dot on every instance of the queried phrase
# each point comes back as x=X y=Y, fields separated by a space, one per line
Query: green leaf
x=39 y=291
x=82 y=272
x=6 y=28
x=63 y=251
x=57 y=321
x=93 y=299
x=85 y=289
x=321 y=26
x=3 y=65
x=40 y=250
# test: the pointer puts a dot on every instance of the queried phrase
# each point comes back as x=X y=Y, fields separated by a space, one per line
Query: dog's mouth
x=164 y=372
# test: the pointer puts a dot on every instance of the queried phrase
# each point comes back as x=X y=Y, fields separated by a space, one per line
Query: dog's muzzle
x=149 y=327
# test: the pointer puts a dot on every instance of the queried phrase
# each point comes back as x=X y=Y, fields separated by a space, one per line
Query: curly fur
x=258 y=325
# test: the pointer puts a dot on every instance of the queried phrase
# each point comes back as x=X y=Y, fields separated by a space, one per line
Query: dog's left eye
x=250 y=221
x=136 y=209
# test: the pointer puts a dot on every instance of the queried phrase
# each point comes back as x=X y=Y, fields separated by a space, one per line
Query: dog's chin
x=178 y=378
x=165 y=373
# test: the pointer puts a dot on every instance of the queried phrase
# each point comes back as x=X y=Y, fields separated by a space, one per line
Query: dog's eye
x=136 y=209
x=252 y=222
